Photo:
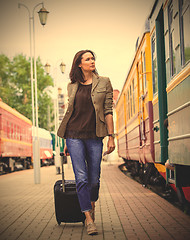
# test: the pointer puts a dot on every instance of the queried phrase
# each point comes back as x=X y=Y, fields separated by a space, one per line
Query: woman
x=87 y=121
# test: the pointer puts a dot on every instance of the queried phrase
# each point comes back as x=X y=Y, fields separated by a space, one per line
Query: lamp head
x=47 y=68
x=43 y=15
x=62 y=67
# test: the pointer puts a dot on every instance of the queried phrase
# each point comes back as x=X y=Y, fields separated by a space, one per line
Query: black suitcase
x=67 y=208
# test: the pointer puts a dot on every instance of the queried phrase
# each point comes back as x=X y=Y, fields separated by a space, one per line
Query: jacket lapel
x=73 y=90
x=95 y=81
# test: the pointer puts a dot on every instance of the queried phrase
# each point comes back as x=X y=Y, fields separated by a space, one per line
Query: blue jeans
x=86 y=155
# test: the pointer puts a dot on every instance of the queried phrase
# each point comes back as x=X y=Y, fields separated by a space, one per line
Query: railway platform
x=125 y=210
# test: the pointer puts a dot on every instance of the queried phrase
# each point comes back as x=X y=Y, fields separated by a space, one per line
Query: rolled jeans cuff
x=86 y=210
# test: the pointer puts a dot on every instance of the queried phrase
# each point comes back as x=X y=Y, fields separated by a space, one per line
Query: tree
x=15 y=87
x=5 y=91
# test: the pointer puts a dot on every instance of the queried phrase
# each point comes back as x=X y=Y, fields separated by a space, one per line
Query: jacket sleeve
x=108 y=103
x=68 y=89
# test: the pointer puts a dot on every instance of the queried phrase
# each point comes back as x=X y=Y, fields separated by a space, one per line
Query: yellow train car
x=153 y=109
x=134 y=106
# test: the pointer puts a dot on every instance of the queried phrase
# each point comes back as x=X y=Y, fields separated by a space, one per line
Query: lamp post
x=33 y=75
x=56 y=116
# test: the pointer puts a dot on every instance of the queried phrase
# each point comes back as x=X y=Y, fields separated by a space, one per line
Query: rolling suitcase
x=67 y=208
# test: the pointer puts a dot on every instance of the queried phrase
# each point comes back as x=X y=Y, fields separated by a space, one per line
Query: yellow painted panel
x=160 y=167
x=16 y=141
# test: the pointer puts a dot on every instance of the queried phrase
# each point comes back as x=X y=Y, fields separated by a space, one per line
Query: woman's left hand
x=110 y=145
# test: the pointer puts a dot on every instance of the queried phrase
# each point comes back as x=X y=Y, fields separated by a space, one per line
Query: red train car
x=15 y=139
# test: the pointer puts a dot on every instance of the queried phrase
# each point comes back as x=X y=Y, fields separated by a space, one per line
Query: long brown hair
x=76 y=74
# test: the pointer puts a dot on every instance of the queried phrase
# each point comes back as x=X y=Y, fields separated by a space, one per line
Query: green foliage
x=15 y=87
x=4 y=77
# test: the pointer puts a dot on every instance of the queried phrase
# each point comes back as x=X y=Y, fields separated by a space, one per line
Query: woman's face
x=87 y=62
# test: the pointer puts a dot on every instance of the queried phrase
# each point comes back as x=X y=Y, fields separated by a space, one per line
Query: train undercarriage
x=11 y=164
x=149 y=176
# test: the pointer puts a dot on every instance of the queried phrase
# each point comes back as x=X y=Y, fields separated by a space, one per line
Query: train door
x=162 y=95
x=125 y=115
x=141 y=110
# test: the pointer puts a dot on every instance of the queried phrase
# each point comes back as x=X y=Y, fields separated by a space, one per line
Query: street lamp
x=48 y=66
x=56 y=115
x=33 y=75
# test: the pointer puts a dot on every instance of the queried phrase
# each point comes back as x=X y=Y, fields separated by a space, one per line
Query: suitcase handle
x=63 y=160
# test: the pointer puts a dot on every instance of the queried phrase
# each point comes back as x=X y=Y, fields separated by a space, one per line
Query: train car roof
x=43 y=133
x=146 y=29
x=153 y=8
x=14 y=112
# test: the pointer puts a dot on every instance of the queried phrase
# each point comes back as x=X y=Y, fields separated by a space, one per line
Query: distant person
x=88 y=119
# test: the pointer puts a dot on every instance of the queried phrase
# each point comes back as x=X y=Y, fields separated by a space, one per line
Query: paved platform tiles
x=125 y=210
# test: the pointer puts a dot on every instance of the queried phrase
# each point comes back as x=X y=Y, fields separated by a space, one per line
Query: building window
x=184 y=31
x=171 y=40
x=154 y=65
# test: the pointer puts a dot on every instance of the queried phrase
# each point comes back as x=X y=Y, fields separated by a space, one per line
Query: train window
x=154 y=65
x=11 y=130
x=8 y=129
x=15 y=132
x=24 y=135
x=128 y=108
x=21 y=134
x=184 y=12
x=140 y=77
x=131 y=102
x=127 y=112
x=171 y=40
x=133 y=84
x=144 y=71
x=18 y=133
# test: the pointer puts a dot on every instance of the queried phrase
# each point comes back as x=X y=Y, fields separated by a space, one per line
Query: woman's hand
x=110 y=127
x=65 y=151
x=110 y=145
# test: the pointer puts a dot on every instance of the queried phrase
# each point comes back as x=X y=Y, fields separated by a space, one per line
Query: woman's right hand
x=65 y=151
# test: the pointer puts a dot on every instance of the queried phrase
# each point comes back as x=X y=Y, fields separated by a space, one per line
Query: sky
x=110 y=28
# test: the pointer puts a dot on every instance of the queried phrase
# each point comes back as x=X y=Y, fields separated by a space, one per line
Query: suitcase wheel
x=59 y=223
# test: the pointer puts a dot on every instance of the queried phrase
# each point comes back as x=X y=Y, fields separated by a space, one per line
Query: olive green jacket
x=102 y=99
